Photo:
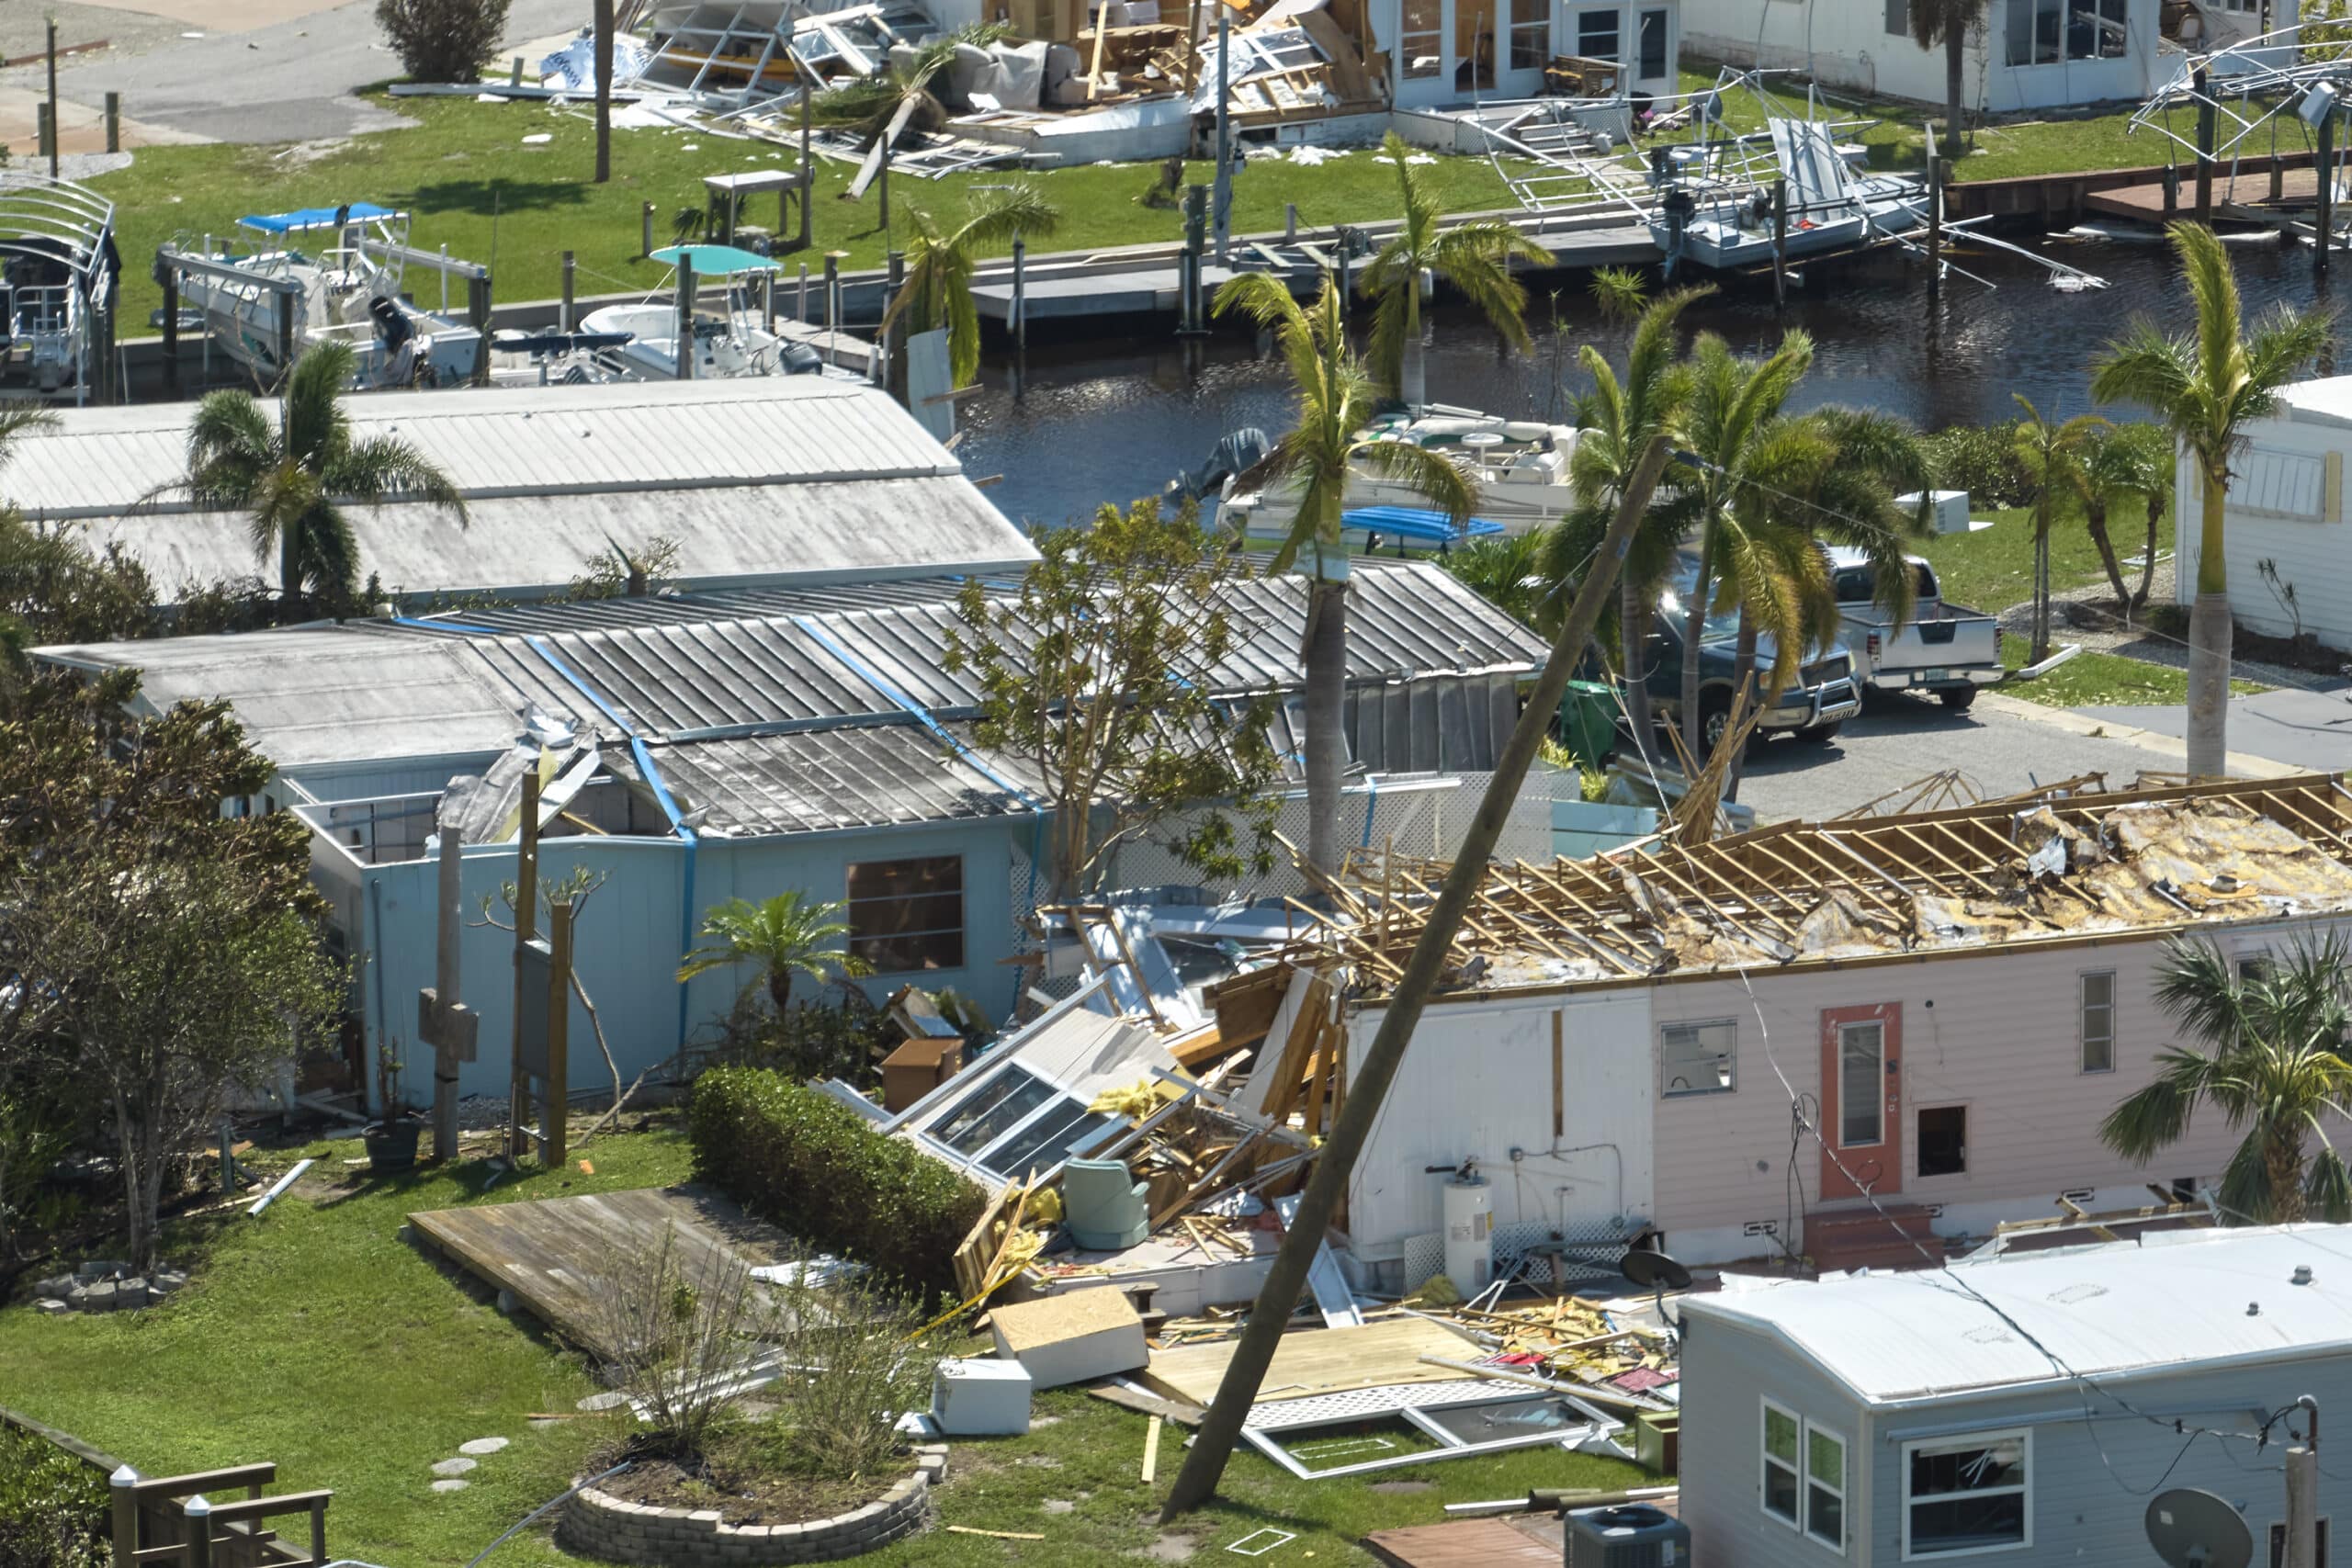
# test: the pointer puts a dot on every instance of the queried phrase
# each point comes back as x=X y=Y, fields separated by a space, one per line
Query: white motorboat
x=1520 y=468
x=348 y=289
x=1722 y=219
x=735 y=340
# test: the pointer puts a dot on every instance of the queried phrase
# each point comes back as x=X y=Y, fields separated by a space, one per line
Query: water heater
x=1469 y=1230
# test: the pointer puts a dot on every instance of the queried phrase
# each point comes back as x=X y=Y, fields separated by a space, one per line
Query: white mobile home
x=2284 y=509
x=1458 y=51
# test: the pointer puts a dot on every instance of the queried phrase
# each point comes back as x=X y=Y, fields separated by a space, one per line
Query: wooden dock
x=2245 y=192
x=551 y=1253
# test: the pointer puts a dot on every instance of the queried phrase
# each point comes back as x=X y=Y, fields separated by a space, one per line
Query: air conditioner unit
x=1635 y=1535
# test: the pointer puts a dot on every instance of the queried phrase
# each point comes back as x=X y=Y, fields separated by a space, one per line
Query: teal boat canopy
x=714 y=261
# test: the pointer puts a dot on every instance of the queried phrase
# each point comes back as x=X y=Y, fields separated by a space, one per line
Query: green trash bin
x=1587 y=723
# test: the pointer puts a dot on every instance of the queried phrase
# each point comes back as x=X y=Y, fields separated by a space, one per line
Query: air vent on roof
x=2302 y=1275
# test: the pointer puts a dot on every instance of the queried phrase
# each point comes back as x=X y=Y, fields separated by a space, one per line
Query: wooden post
x=800 y=312
x=2205 y=111
x=1196 y=231
x=114 y=122
x=767 y=301
x=171 y=282
x=885 y=188
x=570 y=270
x=645 y=230
x=1290 y=222
x=478 y=317
x=895 y=337
x=2325 y=214
x=44 y=132
x=199 y=1532
x=122 y=1496
x=514 y=73
x=527 y=926
x=552 y=1125
x=833 y=305
x=808 y=169
x=1780 y=244
x=52 y=97
x=684 y=364
x=1934 y=215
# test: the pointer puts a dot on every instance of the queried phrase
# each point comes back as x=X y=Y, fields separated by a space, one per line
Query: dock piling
x=114 y=122
x=645 y=230
x=477 y=313
x=833 y=306
x=1935 y=217
x=684 y=357
x=800 y=312
x=570 y=265
x=2205 y=113
x=51 y=116
x=1780 y=244
x=1020 y=294
x=170 y=278
x=2323 y=216
x=895 y=335
x=1290 y=222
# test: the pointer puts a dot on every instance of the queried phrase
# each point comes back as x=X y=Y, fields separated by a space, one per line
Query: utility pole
x=2302 y=1491
x=1221 y=202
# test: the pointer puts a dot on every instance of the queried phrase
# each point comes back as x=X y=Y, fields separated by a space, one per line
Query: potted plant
x=391 y=1139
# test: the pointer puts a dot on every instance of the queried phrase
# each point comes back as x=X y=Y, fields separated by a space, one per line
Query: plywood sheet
x=1067 y=1315
x=1319 y=1361
x=1461 y=1543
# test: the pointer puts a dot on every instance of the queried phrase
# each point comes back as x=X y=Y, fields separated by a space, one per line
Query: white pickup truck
x=1944 y=649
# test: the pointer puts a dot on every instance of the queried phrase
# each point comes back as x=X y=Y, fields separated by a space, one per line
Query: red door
x=1861 y=1101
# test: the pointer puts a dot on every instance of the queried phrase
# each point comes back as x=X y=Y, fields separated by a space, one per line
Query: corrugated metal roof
x=525 y=441
x=865 y=777
x=2176 y=1299
x=799 y=532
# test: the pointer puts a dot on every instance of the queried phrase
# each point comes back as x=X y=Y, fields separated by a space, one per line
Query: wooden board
x=1065 y=1315
x=1460 y=1543
x=551 y=1252
x=1319 y=1360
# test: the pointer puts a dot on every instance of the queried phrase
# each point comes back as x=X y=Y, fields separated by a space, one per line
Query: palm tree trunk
x=2208 y=644
x=1955 y=87
x=1694 y=624
x=2041 y=581
x=2094 y=519
x=780 y=988
x=2282 y=1162
x=290 y=576
x=1411 y=381
x=2148 y=562
x=1326 y=744
x=604 y=17
x=1634 y=615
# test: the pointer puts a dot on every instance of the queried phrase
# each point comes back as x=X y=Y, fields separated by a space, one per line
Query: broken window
x=907 y=915
x=1965 y=1495
x=1018 y=1121
x=1698 y=1058
x=2097 y=1025
x=1943 y=1140
x=1422 y=50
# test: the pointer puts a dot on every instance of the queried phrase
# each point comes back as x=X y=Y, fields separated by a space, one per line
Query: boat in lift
x=1519 y=468
x=340 y=270
x=1715 y=202
x=738 y=339
x=59 y=281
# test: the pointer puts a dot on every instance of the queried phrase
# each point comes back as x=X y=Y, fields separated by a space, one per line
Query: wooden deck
x=550 y=1253
x=2145 y=202
x=1472 y=1543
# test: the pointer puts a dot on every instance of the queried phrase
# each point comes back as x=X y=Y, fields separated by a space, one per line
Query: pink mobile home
x=1953 y=998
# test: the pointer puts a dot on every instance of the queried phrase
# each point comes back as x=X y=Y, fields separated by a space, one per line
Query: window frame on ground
x=1923 y=1142
x=1965 y=1443
x=1049 y=1127
x=1283 y=1438
x=2095 y=1021
x=1701 y=1045
x=1793 y=1466
x=948 y=940
x=1813 y=1484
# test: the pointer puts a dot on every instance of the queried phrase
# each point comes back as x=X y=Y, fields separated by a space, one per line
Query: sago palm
x=784 y=936
x=938 y=287
x=296 y=474
x=1618 y=422
x=2052 y=458
x=2271 y=1065
x=1474 y=256
x=2126 y=463
x=2205 y=388
x=1335 y=401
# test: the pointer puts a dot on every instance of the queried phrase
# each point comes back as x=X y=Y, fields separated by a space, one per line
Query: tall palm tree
x=2205 y=388
x=2272 y=1065
x=296 y=475
x=938 y=287
x=784 y=936
x=1617 y=423
x=1474 y=256
x=1946 y=24
x=1335 y=401
x=2051 y=457
x=2124 y=463
x=1750 y=462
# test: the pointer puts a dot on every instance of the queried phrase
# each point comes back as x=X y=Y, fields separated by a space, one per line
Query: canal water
x=1099 y=418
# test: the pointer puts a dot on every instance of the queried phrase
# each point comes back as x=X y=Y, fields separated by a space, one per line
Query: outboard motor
x=396 y=336
x=799 y=359
x=1237 y=452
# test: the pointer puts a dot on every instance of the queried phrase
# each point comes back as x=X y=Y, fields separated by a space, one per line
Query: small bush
x=1981 y=460
x=443 y=41
x=811 y=1040
x=858 y=1354
x=796 y=1156
x=52 y=1506
x=679 y=1332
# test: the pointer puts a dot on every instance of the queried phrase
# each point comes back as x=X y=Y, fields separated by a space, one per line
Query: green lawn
x=313 y=1336
x=466 y=175
x=1991 y=570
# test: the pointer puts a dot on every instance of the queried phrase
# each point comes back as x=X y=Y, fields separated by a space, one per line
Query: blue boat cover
x=1415 y=524
x=314 y=218
x=716 y=261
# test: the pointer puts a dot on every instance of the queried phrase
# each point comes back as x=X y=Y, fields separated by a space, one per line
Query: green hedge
x=52 y=1506
x=798 y=1157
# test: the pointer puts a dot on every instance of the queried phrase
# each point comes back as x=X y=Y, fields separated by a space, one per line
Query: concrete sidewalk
x=2309 y=731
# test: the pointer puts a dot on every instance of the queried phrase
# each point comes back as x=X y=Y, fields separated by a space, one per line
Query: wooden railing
x=177 y=1519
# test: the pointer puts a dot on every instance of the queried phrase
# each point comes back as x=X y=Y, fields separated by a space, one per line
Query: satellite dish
x=1654 y=1270
x=2191 y=1529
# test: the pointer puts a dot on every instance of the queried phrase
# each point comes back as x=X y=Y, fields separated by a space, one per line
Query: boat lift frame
x=34 y=207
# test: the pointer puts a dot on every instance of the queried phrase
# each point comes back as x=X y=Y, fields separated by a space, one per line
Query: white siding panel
x=2281 y=502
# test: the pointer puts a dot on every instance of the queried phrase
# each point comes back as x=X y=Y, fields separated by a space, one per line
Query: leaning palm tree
x=1474 y=256
x=2125 y=463
x=784 y=936
x=1947 y=24
x=1741 y=466
x=2205 y=389
x=2051 y=457
x=2272 y=1065
x=938 y=289
x=1317 y=460
x=1617 y=423
x=297 y=474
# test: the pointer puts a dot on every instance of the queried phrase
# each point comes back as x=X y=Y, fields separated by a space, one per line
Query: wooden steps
x=1841 y=1239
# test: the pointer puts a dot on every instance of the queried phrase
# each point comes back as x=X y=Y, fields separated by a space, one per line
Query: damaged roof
x=1949 y=881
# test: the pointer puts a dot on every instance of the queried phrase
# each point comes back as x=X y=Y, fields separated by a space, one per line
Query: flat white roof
x=2173 y=1299
x=2327 y=400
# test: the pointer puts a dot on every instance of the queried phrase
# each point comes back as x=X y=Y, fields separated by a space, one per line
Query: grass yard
x=1992 y=568
x=316 y=1337
x=465 y=175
